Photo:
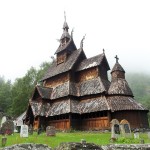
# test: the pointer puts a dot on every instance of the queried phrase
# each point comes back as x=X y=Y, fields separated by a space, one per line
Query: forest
x=14 y=96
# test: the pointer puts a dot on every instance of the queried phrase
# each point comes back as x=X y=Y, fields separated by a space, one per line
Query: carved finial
x=53 y=59
x=116 y=58
x=81 y=43
x=103 y=51
x=72 y=32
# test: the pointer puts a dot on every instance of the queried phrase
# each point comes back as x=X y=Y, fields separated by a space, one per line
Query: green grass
x=54 y=141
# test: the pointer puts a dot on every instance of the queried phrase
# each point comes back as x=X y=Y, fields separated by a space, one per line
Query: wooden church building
x=76 y=92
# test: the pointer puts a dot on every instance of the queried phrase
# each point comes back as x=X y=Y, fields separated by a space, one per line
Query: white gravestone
x=136 y=135
x=3 y=120
x=125 y=128
x=24 y=131
x=148 y=135
x=115 y=128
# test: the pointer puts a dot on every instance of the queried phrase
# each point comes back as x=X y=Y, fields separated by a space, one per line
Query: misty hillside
x=140 y=85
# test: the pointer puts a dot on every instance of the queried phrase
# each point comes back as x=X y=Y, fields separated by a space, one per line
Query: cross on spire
x=116 y=58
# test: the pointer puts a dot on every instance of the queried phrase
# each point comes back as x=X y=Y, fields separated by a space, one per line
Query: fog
x=29 y=31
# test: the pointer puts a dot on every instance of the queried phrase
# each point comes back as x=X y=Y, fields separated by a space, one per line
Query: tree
x=5 y=95
x=23 y=88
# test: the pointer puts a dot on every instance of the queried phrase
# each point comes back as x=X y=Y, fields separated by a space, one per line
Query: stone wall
x=79 y=146
x=27 y=146
x=127 y=147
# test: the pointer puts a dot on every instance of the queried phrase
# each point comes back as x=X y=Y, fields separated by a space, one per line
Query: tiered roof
x=114 y=96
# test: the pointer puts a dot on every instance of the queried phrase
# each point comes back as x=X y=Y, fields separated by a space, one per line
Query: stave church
x=76 y=93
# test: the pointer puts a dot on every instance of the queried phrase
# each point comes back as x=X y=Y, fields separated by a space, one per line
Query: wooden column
x=70 y=121
x=109 y=117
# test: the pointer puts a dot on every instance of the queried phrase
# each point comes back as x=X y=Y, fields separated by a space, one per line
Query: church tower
x=122 y=102
x=119 y=85
x=66 y=46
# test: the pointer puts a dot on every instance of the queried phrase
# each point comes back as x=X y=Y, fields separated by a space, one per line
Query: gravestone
x=115 y=128
x=136 y=135
x=24 y=131
x=148 y=133
x=39 y=131
x=7 y=127
x=30 y=130
x=125 y=128
x=50 y=131
x=3 y=120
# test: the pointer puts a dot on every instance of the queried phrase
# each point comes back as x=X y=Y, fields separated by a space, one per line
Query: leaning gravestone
x=125 y=128
x=24 y=131
x=115 y=128
x=50 y=131
x=7 y=127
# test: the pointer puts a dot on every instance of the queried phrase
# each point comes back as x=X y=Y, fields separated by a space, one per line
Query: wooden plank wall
x=60 y=124
x=85 y=124
x=95 y=123
x=57 y=80
x=61 y=57
x=87 y=74
x=137 y=122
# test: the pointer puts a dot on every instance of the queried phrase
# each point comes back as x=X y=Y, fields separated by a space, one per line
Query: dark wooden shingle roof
x=44 y=92
x=91 y=62
x=63 y=67
x=117 y=103
x=60 y=91
x=93 y=105
x=119 y=86
x=118 y=67
x=93 y=86
x=39 y=109
x=69 y=46
x=102 y=103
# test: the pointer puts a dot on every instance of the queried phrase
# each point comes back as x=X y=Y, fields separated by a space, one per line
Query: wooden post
x=109 y=117
x=70 y=121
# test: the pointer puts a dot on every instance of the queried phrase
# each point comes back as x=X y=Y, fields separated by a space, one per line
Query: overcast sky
x=29 y=30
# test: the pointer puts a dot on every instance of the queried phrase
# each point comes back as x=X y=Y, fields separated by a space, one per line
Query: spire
x=65 y=26
x=66 y=40
x=119 y=85
x=65 y=29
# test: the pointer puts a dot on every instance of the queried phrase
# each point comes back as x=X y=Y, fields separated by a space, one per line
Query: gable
x=41 y=92
x=63 y=67
x=93 y=62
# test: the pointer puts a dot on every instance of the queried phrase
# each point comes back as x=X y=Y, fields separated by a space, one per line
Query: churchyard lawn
x=54 y=141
